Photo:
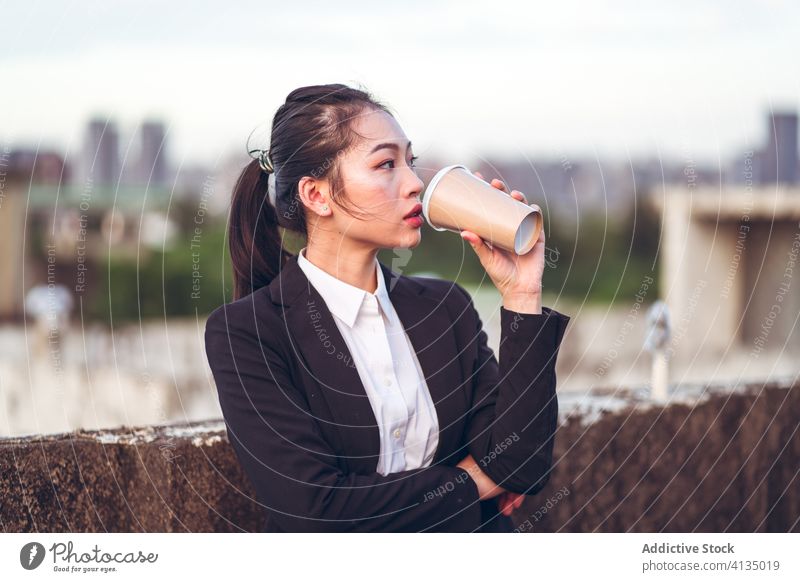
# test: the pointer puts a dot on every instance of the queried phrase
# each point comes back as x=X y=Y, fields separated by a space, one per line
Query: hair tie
x=263 y=160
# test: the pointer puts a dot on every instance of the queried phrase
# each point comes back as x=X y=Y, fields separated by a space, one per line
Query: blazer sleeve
x=291 y=466
x=514 y=412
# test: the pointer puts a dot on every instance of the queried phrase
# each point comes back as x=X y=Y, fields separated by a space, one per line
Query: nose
x=414 y=184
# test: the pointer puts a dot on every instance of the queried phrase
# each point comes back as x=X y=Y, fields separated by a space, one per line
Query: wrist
x=527 y=302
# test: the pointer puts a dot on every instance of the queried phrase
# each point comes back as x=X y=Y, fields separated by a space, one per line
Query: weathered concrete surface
x=729 y=462
x=177 y=478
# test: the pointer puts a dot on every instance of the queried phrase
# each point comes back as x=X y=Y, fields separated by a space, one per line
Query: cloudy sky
x=466 y=78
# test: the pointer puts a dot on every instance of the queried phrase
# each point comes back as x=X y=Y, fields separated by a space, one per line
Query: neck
x=353 y=266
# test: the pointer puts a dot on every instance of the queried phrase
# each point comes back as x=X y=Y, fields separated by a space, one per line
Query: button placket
x=382 y=345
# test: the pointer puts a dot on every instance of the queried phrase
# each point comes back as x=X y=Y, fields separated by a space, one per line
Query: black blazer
x=300 y=421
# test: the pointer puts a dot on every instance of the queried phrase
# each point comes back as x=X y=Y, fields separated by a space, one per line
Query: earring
x=325 y=208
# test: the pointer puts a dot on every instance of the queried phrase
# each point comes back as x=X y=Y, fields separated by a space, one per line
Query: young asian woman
x=357 y=398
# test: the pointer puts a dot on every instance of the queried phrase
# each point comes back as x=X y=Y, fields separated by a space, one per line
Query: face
x=381 y=185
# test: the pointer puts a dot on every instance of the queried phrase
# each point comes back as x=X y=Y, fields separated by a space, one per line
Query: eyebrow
x=389 y=145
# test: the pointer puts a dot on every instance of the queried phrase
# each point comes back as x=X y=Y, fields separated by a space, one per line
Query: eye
x=411 y=163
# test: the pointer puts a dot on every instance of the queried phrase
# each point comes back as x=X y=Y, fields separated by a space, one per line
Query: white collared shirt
x=388 y=367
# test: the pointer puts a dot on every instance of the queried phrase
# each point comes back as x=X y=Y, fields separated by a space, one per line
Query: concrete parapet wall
x=728 y=463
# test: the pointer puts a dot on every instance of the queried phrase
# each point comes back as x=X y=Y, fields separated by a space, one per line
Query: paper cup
x=457 y=200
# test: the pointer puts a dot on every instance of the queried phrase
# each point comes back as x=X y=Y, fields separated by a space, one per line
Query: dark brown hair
x=310 y=132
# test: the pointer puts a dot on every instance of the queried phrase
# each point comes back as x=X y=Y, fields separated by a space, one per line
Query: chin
x=412 y=242
x=406 y=240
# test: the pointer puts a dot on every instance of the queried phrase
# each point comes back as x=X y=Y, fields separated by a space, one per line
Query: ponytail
x=253 y=237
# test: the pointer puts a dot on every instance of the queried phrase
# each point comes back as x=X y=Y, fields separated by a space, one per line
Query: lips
x=416 y=211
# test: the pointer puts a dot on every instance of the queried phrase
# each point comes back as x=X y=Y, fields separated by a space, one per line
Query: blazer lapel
x=322 y=350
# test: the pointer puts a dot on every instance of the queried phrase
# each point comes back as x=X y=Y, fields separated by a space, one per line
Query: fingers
x=471 y=238
x=505 y=504
x=478 y=245
x=500 y=185
x=516 y=194
x=508 y=502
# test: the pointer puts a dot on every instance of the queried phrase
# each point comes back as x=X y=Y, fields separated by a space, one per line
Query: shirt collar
x=343 y=300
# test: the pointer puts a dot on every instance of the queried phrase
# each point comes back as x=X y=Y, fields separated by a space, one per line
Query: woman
x=357 y=398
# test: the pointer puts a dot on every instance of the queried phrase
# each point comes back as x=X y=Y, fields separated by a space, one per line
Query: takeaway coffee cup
x=457 y=200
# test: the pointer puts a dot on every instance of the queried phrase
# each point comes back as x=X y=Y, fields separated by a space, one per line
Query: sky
x=466 y=79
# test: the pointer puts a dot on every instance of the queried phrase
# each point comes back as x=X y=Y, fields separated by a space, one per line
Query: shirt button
x=388 y=381
x=397 y=433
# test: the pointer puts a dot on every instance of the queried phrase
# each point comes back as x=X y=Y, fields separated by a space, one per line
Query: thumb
x=477 y=245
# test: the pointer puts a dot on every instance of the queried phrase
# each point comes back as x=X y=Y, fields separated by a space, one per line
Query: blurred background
x=661 y=142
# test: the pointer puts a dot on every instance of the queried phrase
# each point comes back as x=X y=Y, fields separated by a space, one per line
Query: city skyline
x=578 y=80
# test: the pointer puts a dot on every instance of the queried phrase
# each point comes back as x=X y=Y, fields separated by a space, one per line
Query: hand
x=517 y=278
x=487 y=489
x=509 y=501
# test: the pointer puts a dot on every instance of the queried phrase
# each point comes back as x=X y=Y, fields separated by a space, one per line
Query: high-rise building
x=778 y=161
x=101 y=152
x=153 y=166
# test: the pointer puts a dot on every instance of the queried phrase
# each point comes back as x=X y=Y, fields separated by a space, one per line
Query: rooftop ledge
x=731 y=201
x=726 y=462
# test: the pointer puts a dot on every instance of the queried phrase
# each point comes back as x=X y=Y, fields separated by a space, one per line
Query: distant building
x=779 y=159
x=100 y=162
x=153 y=165
x=728 y=272
x=43 y=167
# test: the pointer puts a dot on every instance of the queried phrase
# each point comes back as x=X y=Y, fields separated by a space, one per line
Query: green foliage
x=595 y=260
x=603 y=260
x=183 y=280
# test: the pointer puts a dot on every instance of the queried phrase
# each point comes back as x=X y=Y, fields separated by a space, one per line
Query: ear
x=314 y=193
